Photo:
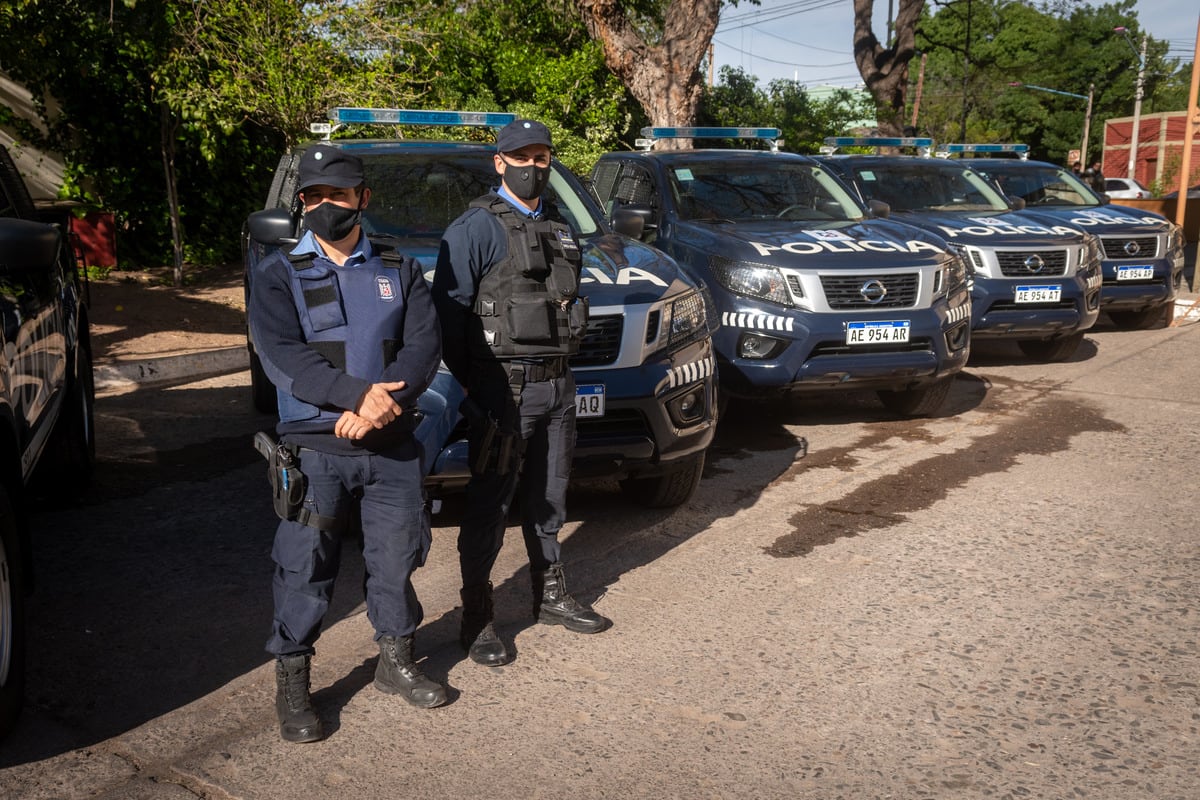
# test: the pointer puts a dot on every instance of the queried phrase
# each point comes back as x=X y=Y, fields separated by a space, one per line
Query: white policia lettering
x=626 y=276
x=863 y=245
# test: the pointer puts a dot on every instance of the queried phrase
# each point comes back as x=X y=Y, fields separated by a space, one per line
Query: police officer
x=506 y=290
x=348 y=334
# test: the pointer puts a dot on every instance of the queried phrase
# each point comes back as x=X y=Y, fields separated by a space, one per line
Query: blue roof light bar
x=401 y=116
x=947 y=150
x=923 y=144
x=651 y=135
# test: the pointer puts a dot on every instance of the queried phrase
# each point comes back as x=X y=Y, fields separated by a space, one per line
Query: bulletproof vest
x=529 y=303
x=350 y=315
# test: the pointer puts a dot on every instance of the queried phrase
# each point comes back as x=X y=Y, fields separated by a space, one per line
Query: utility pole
x=1087 y=124
x=1137 y=98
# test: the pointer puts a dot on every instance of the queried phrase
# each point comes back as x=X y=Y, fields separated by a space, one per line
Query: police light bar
x=947 y=150
x=711 y=133
x=921 y=143
x=401 y=116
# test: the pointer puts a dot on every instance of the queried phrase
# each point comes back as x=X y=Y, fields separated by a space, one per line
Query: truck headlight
x=951 y=276
x=683 y=318
x=1089 y=253
x=752 y=280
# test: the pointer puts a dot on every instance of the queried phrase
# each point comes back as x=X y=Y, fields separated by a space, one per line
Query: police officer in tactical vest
x=347 y=332
x=506 y=289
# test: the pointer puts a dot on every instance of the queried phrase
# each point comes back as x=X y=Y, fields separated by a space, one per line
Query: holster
x=495 y=448
x=288 y=485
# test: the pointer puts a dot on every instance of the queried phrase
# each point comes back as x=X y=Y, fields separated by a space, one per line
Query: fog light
x=758 y=346
x=687 y=407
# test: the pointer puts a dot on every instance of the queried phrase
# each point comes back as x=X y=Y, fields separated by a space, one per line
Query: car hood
x=1106 y=219
x=856 y=245
x=616 y=270
x=1005 y=229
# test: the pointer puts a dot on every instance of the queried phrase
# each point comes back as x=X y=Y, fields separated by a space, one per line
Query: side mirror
x=879 y=209
x=1017 y=203
x=272 y=227
x=633 y=220
x=27 y=246
x=1104 y=198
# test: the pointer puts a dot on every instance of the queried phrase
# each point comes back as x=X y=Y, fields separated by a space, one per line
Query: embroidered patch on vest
x=564 y=239
x=387 y=292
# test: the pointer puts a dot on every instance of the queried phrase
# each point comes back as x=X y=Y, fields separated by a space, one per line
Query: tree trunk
x=885 y=69
x=664 y=78
x=167 y=138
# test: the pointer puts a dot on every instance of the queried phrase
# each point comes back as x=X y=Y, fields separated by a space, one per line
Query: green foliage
x=1068 y=48
x=736 y=100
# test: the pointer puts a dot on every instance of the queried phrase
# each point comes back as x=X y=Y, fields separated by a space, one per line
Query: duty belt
x=544 y=371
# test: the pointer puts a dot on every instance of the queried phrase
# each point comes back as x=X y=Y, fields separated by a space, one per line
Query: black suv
x=46 y=398
x=645 y=371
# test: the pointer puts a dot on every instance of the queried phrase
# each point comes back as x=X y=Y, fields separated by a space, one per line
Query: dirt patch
x=138 y=314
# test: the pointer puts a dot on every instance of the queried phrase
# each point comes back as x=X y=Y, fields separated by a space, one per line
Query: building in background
x=1159 y=149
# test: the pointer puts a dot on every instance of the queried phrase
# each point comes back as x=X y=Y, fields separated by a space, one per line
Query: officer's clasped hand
x=377 y=405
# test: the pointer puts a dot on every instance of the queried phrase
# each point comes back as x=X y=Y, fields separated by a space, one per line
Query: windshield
x=766 y=189
x=416 y=195
x=1042 y=186
x=927 y=185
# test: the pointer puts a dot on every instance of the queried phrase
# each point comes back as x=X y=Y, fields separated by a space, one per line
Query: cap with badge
x=322 y=165
x=522 y=132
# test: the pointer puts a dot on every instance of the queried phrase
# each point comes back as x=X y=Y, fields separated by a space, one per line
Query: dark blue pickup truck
x=814 y=293
x=1141 y=252
x=1033 y=281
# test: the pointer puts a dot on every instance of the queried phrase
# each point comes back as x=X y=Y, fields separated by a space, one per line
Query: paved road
x=997 y=603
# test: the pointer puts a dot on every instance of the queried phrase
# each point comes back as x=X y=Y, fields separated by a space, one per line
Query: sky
x=811 y=40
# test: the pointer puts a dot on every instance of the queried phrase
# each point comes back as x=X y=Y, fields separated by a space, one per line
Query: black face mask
x=527 y=183
x=332 y=222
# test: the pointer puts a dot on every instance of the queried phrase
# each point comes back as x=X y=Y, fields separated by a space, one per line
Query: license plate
x=1039 y=294
x=878 y=332
x=1135 y=273
x=589 y=400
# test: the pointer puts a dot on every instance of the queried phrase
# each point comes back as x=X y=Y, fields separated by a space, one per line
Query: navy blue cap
x=522 y=132
x=329 y=166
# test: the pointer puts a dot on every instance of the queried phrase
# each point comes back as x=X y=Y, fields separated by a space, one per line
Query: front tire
x=923 y=402
x=1051 y=349
x=1139 y=320
x=669 y=489
x=12 y=619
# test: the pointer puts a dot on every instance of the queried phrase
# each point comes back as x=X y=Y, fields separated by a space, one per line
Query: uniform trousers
x=540 y=469
x=389 y=489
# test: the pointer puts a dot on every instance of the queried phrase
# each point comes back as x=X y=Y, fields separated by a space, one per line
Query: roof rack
x=652 y=135
x=344 y=115
x=948 y=150
x=923 y=145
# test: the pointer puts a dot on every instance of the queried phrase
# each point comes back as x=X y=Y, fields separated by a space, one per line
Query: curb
x=130 y=373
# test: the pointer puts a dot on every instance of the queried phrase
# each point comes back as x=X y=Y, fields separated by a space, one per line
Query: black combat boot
x=477 y=636
x=298 y=720
x=553 y=606
x=397 y=673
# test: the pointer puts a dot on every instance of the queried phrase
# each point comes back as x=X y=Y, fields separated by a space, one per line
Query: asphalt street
x=999 y=602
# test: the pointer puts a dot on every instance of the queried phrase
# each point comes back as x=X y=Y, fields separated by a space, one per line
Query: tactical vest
x=362 y=342
x=528 y=303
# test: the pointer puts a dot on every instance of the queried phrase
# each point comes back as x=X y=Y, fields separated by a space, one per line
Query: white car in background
x=1125 y=189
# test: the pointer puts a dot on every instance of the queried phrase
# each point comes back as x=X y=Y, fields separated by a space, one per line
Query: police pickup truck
x=645 y=372
x=46 y=399
x=1033 y=280
x=814 y=294
x=1142 y=252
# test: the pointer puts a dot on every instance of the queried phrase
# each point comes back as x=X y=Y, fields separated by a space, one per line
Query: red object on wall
x=96 y=235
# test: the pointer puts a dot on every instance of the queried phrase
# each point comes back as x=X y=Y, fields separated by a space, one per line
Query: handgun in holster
x=495 y=446
x=283 y=472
